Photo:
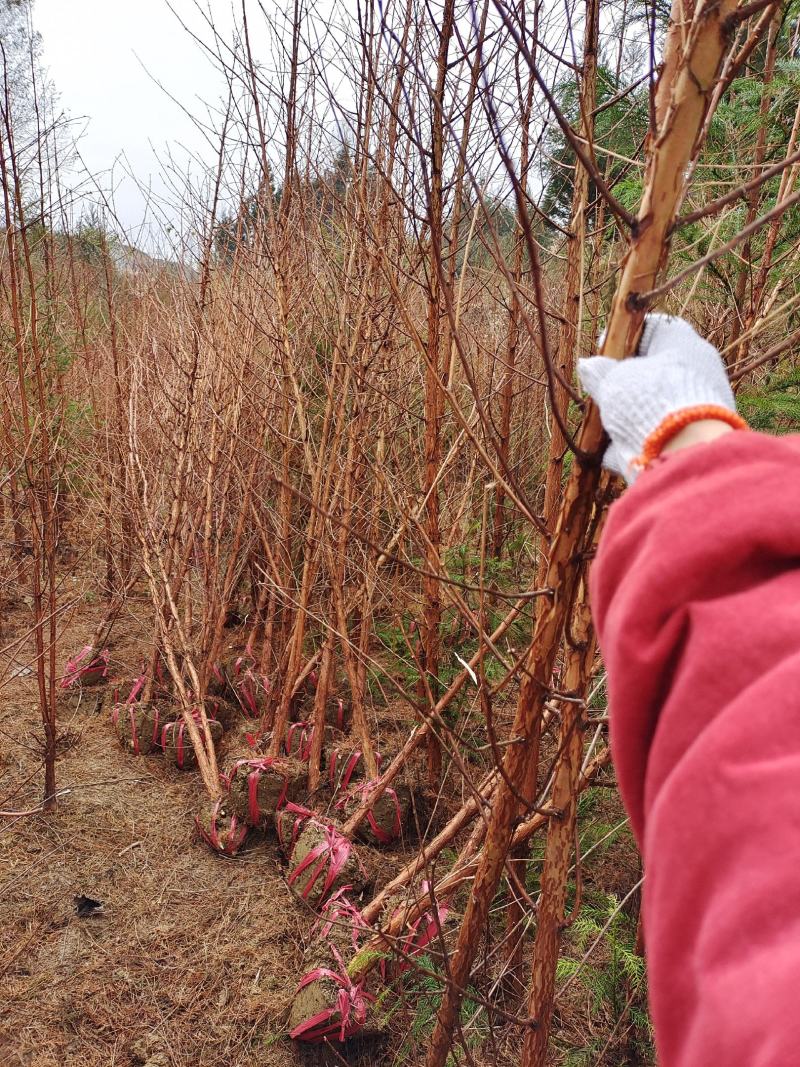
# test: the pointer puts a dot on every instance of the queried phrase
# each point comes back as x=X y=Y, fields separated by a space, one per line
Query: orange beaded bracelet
x=672 y=425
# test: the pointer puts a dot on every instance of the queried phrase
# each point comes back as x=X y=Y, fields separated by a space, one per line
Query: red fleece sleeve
x=696 y=597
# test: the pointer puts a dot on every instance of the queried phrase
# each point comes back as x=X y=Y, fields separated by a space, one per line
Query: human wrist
x=676 y=424
x=697 y=433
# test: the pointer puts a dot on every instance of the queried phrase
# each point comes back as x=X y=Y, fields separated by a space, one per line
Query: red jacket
x=696 y=597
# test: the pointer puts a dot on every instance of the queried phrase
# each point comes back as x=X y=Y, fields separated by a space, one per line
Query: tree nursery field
x=303 y=733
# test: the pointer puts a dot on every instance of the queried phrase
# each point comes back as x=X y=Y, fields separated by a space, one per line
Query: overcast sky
x=102 y=57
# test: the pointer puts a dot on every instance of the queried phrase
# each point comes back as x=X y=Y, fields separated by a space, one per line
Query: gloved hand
x=673 y=369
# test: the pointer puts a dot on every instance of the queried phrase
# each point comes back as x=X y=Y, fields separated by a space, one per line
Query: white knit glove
x=673 y=369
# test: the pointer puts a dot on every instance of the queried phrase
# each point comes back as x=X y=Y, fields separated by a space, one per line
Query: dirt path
x=195 y=956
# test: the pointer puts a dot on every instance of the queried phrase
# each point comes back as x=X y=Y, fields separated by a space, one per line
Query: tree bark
x=695 y=73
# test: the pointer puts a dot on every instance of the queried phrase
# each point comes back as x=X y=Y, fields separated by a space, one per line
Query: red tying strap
x=76 y=668
x=381 y=835
x=336 y=909
x=305 y=732
x=257 y=768
x=302 y=815
x=331 y=853
x=350 y=1006
x=138 y=686
x=233 y=838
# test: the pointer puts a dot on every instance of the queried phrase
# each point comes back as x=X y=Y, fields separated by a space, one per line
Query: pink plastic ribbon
x=138 y=686
x=76 y=669
x=351 y=1006
x=302 y=815
x=233 y=839
x=330 y=855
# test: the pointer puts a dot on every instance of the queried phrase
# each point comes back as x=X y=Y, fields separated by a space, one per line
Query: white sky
x=98 y=54
x=105 y=58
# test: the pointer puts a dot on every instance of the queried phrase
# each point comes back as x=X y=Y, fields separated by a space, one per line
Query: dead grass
x=195 y=957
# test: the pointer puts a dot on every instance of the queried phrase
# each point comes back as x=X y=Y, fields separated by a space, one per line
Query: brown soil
x=311 y=887
x=389 y=812
x=284 y=779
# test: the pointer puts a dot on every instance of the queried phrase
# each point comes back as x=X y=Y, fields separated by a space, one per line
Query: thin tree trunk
x=754 y=197
x=434 y=397
x=561 y=831
x=502 y=514
x=559 y=404
x=695 y=74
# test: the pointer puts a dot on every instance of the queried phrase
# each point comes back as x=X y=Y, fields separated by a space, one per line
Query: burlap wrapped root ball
x=340 y=928
x=290 y=820
x=258 y=786
x=297 y=743
x=86 y=669
x=327 y=1006
x=327 y=1003
x=220 y=828
x=94 y=674
x=388 y=816
x=323 y=860
x=344 y=766
x=223 y=710
x=300 y=739
x=219 y=682
x=77 y=698
x=177 y=742
x=138 y=727
x=252 y=691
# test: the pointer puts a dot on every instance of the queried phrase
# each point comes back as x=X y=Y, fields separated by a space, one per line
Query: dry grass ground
x=194 y=958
